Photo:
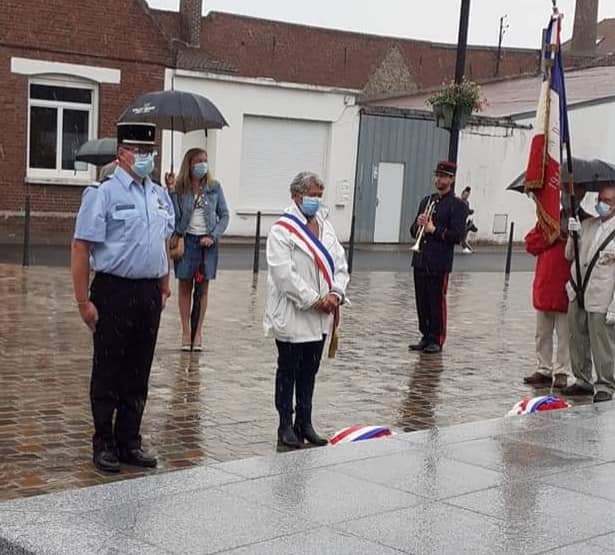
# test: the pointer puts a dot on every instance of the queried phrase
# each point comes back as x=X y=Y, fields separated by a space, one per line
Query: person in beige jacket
x=592 y=321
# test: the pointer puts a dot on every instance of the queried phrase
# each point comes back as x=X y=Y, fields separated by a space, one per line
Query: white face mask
x=310 y=205
x=200 y=169
x=603 y=209
x=143 y=164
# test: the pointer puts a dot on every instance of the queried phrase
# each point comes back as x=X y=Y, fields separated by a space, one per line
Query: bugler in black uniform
x=434 y=261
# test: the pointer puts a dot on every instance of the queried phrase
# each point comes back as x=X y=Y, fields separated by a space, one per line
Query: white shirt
x=198 y=225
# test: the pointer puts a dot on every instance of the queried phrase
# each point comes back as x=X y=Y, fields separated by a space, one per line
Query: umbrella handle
x=172 y=126
x=172 y=148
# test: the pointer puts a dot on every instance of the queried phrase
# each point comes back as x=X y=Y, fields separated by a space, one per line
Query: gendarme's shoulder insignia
x=97 y=184
x=94 y=185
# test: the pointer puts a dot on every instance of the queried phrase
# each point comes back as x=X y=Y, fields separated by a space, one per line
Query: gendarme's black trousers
x=298 y=365
x=430 y=292
x=124 y=341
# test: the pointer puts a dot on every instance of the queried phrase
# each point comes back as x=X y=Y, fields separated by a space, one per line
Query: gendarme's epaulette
x=97 y=184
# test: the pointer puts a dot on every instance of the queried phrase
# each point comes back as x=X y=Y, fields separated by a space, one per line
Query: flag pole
x=573 y=204
x=575 y=234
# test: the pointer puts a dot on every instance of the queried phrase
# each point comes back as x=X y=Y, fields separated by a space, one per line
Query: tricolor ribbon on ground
x=543 y=176
x=538 y=404
x=360 y=433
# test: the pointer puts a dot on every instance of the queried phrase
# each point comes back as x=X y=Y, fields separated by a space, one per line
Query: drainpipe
x=354 y=199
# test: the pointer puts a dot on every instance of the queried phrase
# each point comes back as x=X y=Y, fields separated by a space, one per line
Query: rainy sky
x=434 y=20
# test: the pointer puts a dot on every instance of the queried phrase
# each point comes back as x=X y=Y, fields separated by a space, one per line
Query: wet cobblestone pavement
x=218 y=405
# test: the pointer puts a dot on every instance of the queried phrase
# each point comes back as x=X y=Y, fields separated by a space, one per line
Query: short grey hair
x=303 y=180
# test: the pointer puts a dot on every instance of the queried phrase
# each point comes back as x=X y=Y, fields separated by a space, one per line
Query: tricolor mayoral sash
x=322 y=257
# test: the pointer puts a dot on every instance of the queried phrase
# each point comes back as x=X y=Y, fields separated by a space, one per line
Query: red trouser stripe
x=444 y=290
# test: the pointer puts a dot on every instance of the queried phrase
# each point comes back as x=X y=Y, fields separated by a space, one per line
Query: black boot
x=287 y=437
x=308 y=433
x=286 y=434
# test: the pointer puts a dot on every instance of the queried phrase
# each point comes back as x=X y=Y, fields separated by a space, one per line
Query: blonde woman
x=201 y=217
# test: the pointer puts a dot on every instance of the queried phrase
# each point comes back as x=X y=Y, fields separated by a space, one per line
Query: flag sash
x=322 y=257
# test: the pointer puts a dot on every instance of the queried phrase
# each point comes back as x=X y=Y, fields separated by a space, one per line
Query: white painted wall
x=490 y=158
x=236 y=97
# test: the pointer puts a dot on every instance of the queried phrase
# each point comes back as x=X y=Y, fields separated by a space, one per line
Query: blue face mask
x=310 y=205
x=603 y=209
x=143 y=164
x=200 y=170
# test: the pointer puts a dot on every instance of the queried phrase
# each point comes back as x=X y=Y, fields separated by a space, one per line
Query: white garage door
x=273 y=151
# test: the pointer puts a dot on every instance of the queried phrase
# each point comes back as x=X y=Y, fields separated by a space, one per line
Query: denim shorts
x=186 y=267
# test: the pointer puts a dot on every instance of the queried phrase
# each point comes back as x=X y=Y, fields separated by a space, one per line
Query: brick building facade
x=299 y=53
x=101 y=56
x=49 y=51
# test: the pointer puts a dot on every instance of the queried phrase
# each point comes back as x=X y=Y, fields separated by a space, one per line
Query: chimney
x=585 y=28
x=190 y=19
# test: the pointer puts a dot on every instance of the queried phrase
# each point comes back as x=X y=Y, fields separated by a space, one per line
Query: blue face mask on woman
x=143 y=164
x=199 y=170
x=603 y=209
x=310 y=205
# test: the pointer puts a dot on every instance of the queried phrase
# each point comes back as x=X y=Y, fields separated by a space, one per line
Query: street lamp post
x=462 y=44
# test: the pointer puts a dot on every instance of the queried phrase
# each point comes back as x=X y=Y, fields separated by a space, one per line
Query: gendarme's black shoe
x=106 y=460
x=137 y=457
x=418 y=346
x=308 y=433
x=287 y=437
x=601 y=396
x=432 y=348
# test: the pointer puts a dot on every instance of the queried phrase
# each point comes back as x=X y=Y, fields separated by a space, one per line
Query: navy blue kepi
x=136 y=133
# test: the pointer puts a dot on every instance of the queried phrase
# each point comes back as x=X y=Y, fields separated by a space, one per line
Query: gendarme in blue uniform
x=127 y=224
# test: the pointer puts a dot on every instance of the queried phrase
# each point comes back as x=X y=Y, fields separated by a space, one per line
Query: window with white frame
x=62 y=116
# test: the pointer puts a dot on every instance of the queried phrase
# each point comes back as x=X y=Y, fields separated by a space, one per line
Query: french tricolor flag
x=543 y=176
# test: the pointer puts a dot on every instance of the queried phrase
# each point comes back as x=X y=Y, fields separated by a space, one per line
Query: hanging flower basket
x=443 y=114
x=466 y=96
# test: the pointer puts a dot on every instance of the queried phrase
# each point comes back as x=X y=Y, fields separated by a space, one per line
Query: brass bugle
x=419 y=236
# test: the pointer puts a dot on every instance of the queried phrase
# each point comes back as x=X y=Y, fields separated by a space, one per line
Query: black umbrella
x=175 y=110
x=199 y=279
x=589 y=174
x=98 y=151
